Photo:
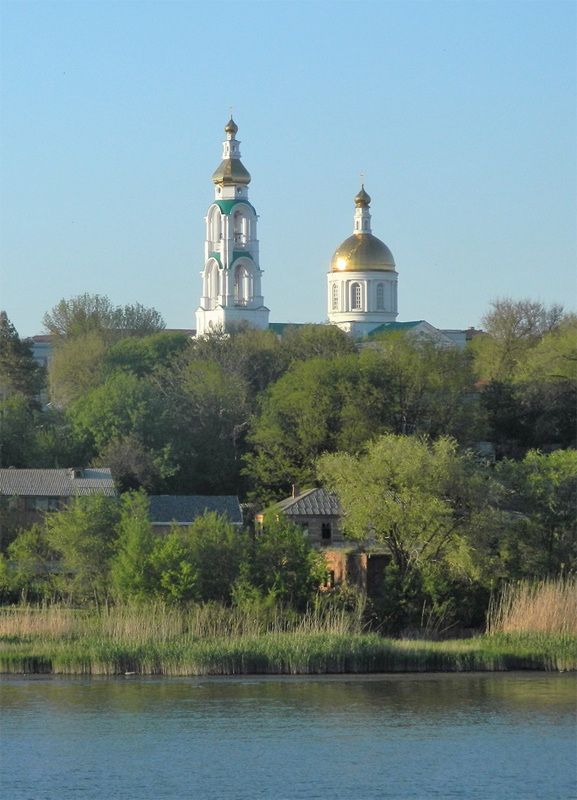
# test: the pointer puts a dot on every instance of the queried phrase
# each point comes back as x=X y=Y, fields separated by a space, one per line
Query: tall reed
x=548 y=606
x=212 y=640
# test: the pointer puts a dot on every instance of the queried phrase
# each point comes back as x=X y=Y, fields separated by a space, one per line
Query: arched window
x=239 y=228
x=356 y=304
x=241 y=285
x=335 y=297
x=380 y=296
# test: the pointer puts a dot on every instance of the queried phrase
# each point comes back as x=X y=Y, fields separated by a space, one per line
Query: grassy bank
x=155 y=640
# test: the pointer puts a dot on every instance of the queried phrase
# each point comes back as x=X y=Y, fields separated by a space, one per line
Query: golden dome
x=362 y=200
x=231 y=127
x=230 y=172
x=360 y=252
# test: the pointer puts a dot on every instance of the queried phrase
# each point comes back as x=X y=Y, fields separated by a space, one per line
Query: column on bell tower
x=232 y=275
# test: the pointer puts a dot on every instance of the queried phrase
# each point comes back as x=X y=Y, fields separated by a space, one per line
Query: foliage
x=512 y=328
x=145 y=355
x=76 y=367
x=18 y=420
x=123 y=405
x=207 y=411
x=216 y=551
x=87 y=313
x=83 y=537
x=130 y=571
x=28 y=570
x=283 y=565
x=20 y=373
x=426 y=504
x=541 y=538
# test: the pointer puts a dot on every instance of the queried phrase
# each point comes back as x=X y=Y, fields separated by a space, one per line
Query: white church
x=362 y=279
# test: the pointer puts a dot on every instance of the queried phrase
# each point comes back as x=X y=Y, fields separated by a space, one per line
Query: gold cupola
x=362 y=200
x=362 y=251
x=231 y=171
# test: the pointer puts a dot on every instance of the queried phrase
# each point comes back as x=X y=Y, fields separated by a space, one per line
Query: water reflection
x=413 y=736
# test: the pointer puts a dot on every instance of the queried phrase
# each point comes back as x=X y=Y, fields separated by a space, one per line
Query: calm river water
x=408 y=737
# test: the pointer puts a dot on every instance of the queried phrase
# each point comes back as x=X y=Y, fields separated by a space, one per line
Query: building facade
x=362 y=280
x=231 y=278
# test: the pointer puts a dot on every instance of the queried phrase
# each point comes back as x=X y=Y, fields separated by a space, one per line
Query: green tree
x=316 y=341
x=87 y=313
x=18 y=421
x=123 y=405
x=284 y=566
x=208 y=410
x=417 y=497
x=216 y=551
x=536 y=405
x=83 y=536
x=512 y=328
x=20 y=373
x=131 y=572
x=76 y=367
x=28 y=572
x=175 y=579
x=429 y=386
x=427 y=505
x=541 y=537
x=143 y=356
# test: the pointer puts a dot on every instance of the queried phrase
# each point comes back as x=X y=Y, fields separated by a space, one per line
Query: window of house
x=335 y=291
x=326 y=531
x=41 y=503
x=380 y=296
x=356 y=297
x=330 y=579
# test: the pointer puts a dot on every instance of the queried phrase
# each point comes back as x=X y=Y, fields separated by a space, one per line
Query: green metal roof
x=280 y=327
x=390 y=327
x=226 y=206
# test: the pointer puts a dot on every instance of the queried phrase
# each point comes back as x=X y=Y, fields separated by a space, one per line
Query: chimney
x=296 y=490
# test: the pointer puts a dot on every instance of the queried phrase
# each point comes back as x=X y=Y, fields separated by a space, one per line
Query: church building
x=362 y=278
x=231 y=279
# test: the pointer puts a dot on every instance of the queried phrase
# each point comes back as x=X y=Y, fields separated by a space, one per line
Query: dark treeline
x=246 y=412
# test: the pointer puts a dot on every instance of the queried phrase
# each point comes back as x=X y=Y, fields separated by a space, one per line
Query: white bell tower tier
x=362 y=281
x=231 y=278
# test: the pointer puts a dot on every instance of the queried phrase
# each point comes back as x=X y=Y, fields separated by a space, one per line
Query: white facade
x=231 y=278
x=362 y=281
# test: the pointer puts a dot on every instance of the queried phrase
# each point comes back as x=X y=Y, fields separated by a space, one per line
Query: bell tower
x=231 y=278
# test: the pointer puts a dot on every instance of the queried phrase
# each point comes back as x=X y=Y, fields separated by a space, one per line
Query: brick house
x=317 y=511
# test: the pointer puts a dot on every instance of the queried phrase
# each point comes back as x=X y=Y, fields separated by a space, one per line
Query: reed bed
x=548 y=606
x=212 y=640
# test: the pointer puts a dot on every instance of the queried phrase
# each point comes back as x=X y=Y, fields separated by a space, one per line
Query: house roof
x=311 y=502
x=55 y=482
x=184 y=509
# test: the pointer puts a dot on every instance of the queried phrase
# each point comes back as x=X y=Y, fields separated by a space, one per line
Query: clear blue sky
x=462 y=116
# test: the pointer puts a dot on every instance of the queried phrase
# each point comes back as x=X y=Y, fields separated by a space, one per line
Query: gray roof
x=184 y=509
x=311 y=502
x=55 y=482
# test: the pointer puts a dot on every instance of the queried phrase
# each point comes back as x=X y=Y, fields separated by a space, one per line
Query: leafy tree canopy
x=20 y=373
x=92 y=312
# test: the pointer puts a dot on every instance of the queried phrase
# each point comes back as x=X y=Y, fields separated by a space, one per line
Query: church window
x=335 y=297
x=380 y=297
x=356 y=297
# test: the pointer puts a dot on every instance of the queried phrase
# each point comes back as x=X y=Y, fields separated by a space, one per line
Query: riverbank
x=212 y=640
